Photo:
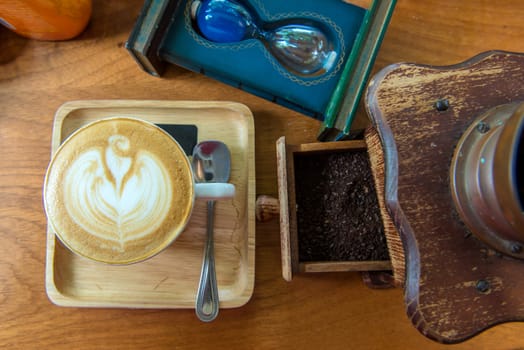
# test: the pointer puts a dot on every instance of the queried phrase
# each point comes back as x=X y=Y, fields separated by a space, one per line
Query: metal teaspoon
x=211 y=163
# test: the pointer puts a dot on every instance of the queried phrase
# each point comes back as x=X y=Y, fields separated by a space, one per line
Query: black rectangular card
x=185 y=134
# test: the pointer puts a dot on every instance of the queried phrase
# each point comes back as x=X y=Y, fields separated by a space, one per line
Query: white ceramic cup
x=120 y=190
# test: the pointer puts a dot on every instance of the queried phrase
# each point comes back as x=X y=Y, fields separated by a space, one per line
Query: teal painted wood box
x=167 y=32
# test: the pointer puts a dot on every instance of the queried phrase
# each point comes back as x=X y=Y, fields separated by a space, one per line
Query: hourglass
x=301 y=46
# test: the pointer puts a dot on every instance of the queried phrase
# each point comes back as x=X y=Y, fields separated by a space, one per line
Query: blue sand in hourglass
x=301 y=46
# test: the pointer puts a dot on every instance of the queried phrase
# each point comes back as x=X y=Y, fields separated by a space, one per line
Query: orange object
x=46 y=19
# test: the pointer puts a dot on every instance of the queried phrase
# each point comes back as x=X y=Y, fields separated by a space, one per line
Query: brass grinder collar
x=483 y=178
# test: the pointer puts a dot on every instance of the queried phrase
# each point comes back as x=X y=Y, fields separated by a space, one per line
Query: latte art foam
x=115 y=195
x=119 y=190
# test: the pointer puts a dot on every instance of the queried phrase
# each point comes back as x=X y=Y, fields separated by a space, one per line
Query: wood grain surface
x=443 y=260
x=329 y=311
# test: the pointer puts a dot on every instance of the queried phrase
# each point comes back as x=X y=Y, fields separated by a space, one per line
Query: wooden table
x=329 y=311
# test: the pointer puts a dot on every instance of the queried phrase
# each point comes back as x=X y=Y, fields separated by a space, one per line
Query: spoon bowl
x=211 y=162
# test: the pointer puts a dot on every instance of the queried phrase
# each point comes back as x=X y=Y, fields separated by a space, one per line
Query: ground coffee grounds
x=338 y=216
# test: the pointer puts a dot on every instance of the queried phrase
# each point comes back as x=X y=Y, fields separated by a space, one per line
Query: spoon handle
x=206 y=306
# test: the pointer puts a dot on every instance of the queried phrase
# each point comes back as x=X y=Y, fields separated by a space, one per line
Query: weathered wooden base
x=455 y=285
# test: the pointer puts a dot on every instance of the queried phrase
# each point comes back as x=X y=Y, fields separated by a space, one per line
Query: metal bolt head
x=482 y=286
x=516 y=248
x=442 y=105
x=483 y=127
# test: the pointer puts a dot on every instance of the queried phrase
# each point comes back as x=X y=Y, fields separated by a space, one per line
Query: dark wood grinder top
x=455 y=285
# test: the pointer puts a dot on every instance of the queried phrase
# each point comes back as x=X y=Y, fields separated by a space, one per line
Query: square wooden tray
x=170 y=279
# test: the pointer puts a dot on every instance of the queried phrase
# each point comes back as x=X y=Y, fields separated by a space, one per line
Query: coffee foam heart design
x=118 y=193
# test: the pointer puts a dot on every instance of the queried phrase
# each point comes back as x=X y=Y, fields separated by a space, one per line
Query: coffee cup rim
x=150 y=254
